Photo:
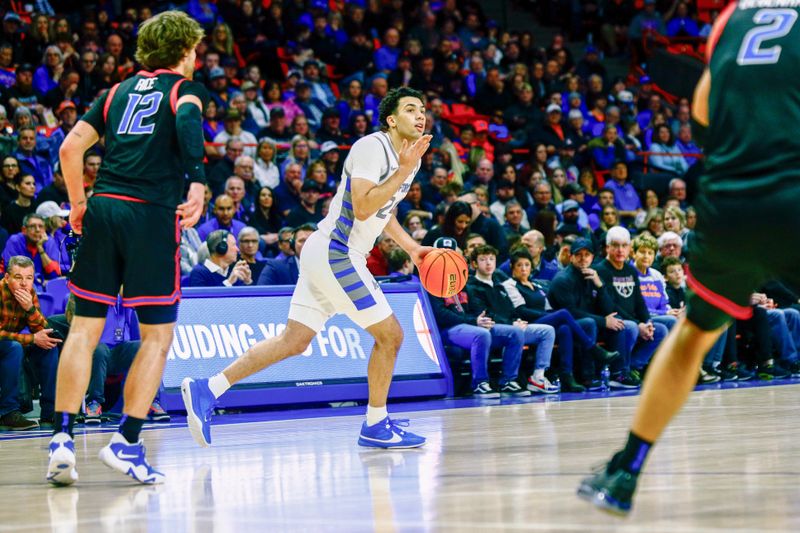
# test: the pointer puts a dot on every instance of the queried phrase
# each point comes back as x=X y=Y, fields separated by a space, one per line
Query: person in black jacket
x=487 y=294
x=479 y=333
x=642 y=335
x=530 y=301
x=579 y=290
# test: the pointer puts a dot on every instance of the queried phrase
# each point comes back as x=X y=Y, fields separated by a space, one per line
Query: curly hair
x=165 y=39
x=388 y=105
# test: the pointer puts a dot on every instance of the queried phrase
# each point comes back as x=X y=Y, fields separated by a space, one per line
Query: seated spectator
x=56 y=191
x=278 y=128
x=300 y=153
x=514 y=220
x=8 y=187
x=34 y=243
x=530 y=302
x=414 y=205
x=285 y=240
x=55 y=225
x=30 y=163
x=576 y=193
x=265 y=218
x=626 y=199
x=652 y=283
x=641 y=335
x=487 y=295
x=681 y=24
x=378 y=258
x=505 y=194
x=244 y=168
x=224 y=211
x=605 y=197
x=670 y=158
x=114 y=354
x=331 y=127
x=542 y=200
x=541 y=269
x=233 y=128
x=21 y=310
x=235 y=190
x=248 y=250
x=310 y=208
x=189 y=248
x=675 y=221
x=221 y=269
x=267 y=172
x=400 y=265
x=478 y=333
x=571 y=220
x=457 y=222
x=223 y=169
x=284 y=271
x=91 y=166
x=609 y=148
x=669 y=245
x=687 y=146
x=287 y=193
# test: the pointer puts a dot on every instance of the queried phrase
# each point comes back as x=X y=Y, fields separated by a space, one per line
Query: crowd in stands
x=565 y=188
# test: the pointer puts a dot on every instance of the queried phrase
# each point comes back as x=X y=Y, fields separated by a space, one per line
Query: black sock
x=130 y=428
x=632 y=457
x=63 y=423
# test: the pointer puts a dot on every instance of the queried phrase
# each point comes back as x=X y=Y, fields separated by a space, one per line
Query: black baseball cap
x=445 y=242
x=581 y=244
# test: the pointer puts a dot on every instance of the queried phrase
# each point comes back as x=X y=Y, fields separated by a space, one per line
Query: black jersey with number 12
x=142 y=155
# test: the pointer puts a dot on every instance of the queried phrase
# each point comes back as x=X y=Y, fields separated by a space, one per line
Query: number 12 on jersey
x=139 y=108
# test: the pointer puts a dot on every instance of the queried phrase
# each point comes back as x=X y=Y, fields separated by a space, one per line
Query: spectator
x=641 y=335
x=671 y=158
x=223 y=169
x=626 y=199
x=310 y=208
x=244 y=169
x=677 y=190
x=401 y=266
x=542 y=200
x=224 y=212
x=284 y=270
x=233 y=129
x=55 y=223
x=288 y=193
x=670 y=244
x=248 y=249
x=675 y=221
x=221 y=269
x=514 y=215
x=487 y=295
x=239 y=102
x=189 y=247
x=285 y=240
x=299 y=152
x=8 y=187
x=256 y=109
x=608 y=149
x=34 y=243
x=652 y=283
x=22 y=93
x=653 y=223
x=265 y=218
x=91 y=166
x=67 y=115
x=30 y=163
x=267 y=172
x=331 y=129
x=234 y=188
x=540 y=269
x=682 y=25
x=20 y=310
x=686 y=145
x=378 y=258
x=14 y=213
x=310 y=106
x=386 y=56
x=457 y=222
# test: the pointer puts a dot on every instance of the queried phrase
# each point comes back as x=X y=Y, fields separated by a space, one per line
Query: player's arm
x=189 y=126
x=82 y=137
x=368 y=196
x=700 y=100
x=404 y=240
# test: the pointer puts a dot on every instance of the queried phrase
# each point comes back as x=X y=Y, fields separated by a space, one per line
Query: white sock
x=218 y=384
x=376 y=414
x=538 y=374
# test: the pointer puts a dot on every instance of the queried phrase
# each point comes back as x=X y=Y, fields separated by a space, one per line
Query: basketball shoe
x=129 y=459
x=610 y=490
x=61 y=470
x=388 y=433
x=199 y=402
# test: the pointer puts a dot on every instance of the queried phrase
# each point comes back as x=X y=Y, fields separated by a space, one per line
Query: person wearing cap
x=278 y=128
x=356 y=54
x=330 y=156
x=67 y=114
x=505 y=195
x=311 y=107
x=641 y=335
x=310 y=208
x=590 y=64
x=233 y=128
x=576 y=193
x=570 y=211
x=331 y=127
x=34 y=242
x=12 y=34
x=319 y=89
x=553 y=133
x=55 y=221
x=22 y=93
x=481 y=147
x=256 y=108
x=218 y=87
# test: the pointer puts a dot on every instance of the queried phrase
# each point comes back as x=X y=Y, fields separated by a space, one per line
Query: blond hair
x=165 y=39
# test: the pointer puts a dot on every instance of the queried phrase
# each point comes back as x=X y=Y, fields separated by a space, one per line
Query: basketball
x=443 y=272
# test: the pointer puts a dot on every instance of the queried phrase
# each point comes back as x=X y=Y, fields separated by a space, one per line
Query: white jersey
x=371 y=158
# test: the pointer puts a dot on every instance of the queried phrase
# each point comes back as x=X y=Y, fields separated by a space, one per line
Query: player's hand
x=410 y=154
x=76 y=213
x=613 y=323
x=25 y=298
x=418 y=254
x=192 y=208
x=43 y=340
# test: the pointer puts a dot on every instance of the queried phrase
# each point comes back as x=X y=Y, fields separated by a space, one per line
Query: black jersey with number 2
x=137 y=117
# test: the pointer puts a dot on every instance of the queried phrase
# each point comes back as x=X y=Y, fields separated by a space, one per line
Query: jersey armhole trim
x=716 y=31
x=107 y=105
x=173 y=95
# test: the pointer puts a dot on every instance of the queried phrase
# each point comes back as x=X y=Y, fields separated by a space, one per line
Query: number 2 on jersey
x=774 y=24
x=139 y=108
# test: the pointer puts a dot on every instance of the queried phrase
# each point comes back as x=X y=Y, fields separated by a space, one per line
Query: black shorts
x=740 y=242
x=131 y=244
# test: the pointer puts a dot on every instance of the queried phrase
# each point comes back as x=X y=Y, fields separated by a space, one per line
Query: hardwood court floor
x=729 y=463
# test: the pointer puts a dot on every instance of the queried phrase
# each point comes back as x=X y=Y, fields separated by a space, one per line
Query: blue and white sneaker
x=388 y=434
x=129 y=459
x=199 y=402
x=61 y=470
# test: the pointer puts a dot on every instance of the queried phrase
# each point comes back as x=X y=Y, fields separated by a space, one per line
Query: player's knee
x=296 y=338
x=390 y=335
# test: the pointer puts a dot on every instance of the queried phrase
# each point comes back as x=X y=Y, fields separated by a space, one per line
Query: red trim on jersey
x=91 y=295
x=737 y=311
x=175 y=296
x=122 y=197
x=716 y=31
x=107 y=105
x=173 y=95
x=155 y=73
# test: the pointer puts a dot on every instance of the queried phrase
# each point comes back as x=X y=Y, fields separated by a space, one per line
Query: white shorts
x=335 y=280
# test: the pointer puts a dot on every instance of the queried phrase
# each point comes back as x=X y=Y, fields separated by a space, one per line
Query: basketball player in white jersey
x=333 y=273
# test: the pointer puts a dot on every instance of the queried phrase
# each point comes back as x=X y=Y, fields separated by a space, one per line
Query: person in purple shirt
x=224 y=211
x=30 y=163
x=386 y=56
x=33 y=242
x=55 y=224
x=626 y=199
x=652 y=282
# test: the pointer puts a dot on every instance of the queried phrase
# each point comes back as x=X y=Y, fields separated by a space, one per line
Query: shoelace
x=397 y=424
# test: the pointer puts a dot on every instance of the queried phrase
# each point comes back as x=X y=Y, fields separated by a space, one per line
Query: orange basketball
x=443 y=272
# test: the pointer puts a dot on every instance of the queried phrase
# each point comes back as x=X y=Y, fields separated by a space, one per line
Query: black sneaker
x=741 y=371
x=793 y=368
x=773 y=371
x=611 y=492
x=624 y=381
x=484 y=390
x=602 y=356
x=593 y=385
x=568 y=384
x=512 y=388
x=727 y=375
x=14 y=421
x=705 y=378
